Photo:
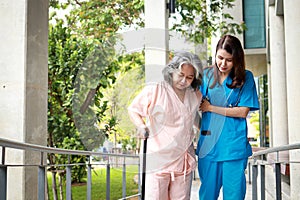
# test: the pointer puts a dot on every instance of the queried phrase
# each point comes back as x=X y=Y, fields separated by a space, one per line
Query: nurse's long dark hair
x=234 y=47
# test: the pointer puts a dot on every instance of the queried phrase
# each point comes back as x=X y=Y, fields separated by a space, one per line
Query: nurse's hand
x=205 y=106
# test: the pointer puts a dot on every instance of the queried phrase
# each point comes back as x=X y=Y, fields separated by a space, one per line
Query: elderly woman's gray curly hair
x=180 y=58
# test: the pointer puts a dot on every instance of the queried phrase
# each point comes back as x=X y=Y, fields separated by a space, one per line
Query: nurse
x=229 y=93
x=168 y=110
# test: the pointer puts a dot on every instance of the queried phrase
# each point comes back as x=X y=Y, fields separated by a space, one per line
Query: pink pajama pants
x=160 y=186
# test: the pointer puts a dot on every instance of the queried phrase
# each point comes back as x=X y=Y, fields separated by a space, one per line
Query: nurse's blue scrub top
x=225 y=138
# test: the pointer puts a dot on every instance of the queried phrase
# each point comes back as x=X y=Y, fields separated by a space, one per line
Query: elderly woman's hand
x=142 y=132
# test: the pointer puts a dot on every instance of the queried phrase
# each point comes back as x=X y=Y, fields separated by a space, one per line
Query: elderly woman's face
x=183 y=78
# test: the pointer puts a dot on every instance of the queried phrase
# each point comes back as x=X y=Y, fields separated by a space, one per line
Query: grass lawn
x=99 y=184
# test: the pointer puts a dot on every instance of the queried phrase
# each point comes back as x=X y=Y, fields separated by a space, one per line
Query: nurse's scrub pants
x=229 y=174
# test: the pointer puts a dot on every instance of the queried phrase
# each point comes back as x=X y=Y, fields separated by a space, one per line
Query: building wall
x=291 y=16
x=257 y=63
x=256 y=59
x=23 y=90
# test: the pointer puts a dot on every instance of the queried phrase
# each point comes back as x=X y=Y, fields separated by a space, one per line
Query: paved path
x=270 y=193
x=196 y=185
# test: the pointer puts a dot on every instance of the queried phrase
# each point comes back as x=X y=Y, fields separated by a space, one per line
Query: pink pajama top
x=170 y=123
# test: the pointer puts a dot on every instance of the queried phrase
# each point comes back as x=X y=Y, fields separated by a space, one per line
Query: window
x=254 y=17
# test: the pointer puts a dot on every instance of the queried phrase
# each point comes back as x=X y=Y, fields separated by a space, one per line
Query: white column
x=292 y=43
x=157 y=38
x=277 y=87
x=23 y=87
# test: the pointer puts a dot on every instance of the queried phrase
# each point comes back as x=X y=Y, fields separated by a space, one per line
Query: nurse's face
x=183 y=78
x=224 y=61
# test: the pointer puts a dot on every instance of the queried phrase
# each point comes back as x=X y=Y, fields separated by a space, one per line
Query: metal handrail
x=276 y=149
x=34 y=147
x=6 y=143
x=277 y=166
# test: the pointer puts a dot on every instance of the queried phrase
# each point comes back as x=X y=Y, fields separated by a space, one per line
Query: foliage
x=53 y=3
x=80 y=67
x=254 y=119
x=101 y=19
x=129 y=81
x=86 y=68
x=66 y=54
x=104 y=18
x=96 y=74
x=210 y=19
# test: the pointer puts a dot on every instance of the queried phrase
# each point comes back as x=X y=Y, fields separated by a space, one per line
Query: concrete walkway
x=196 y=185
x=270 y=187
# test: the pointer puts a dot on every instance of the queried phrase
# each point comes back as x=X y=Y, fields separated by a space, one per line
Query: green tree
x=201 y=19
x=195 y=19
x=129 y=80
x=77 y=75
x=80 y=66
x=66 y=54
x=100 y=21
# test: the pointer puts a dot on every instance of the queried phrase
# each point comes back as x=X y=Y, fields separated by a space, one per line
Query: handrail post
x=107 y=181
x=124 y=180
x=278 y=180
x=139 y=178
x=89 y=181
x=254 y=181
x=3 y=156
x=262 y=182
x=3 y=176
x=41 y=179
x=3 y=181
x=69 y=180
x=249 y=172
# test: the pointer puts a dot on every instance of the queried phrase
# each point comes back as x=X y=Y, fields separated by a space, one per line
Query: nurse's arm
x=231 y=112
x=226 y=111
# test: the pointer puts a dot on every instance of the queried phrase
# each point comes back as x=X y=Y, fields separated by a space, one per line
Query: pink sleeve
x=199 y=95
x=138 y=109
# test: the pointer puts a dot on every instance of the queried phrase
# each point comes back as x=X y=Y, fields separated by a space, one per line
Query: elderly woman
x=168 y=111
